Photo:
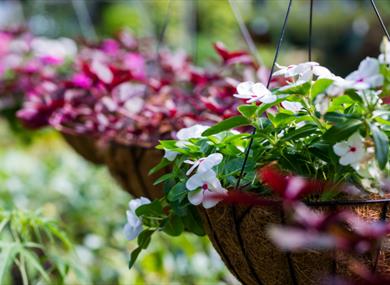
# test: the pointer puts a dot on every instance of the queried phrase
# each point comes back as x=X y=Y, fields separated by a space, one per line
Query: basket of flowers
x=120 y=100
x=25 y=63
x=304 y=195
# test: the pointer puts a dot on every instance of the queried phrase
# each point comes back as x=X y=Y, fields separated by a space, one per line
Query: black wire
x=268 y=83
x=244 y=31
x=161 y=36
x=310 y=29
x=380 y=19
x=160 y=40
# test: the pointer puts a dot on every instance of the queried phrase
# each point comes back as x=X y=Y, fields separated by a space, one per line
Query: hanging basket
x=86 y=146
x=239 y=234
x=130 y=165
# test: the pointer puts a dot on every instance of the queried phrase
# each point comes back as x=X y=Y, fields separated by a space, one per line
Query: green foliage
x=31 y=247
x=47 y=175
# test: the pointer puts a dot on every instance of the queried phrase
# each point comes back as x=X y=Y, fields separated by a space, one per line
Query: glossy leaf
x=381 y=145
x=226 y=125
x=341 y=131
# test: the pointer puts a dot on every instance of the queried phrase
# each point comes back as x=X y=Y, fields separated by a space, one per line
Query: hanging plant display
x=119 y=100
x=320 y=143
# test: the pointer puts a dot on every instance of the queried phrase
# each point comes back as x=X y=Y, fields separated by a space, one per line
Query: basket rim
x=341 y=202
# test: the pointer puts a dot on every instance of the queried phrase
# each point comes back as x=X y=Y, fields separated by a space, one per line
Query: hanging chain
x=244 y=31
x=310 y=29
x=161 y=36
x=378 y=15
x=160 y=39
x=268 y=83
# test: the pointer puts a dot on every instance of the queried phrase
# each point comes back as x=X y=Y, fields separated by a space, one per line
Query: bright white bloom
x=254 y=92
x=183 y=136
x=367 y=75
x=351 y=151
x=57 y=48
x=170 y=154
x=292 y=106
x=303 y=72
x=193 y=132
x=205 y=163
x=134 y=224
x=384 y=57
x=102 y=71
x=202 y=185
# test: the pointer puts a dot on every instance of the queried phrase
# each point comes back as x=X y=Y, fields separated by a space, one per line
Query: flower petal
x=245 y=88
x=210 y=161
x=170 y=155
x=341 y=148
x=195 y=181
x=292 y=106
x=195 y=197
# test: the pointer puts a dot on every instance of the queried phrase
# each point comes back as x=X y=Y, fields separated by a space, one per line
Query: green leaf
x=193 y=222
x=354 y=96
x=163 y=178
x=227 y=124
x=143 y=241
x=302 y=132
x=153 y=209
x=264 y=107
x=321 y=150
x=337 y=117
x=144 y=238
x=381 y=145
x=177 y=192
x=301 y=89
x=281 y=118
x=133 y=256
x=33 y=261
x=320 y=86
x=174 y=226
x=162 y=164
x=7 y=257
x=247 y=110
x=341 y=131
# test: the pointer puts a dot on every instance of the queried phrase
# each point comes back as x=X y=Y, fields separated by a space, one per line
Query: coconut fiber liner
x=86 y=147
x=239 y=234
x=130 y=166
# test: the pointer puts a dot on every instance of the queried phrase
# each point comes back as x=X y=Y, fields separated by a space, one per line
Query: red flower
x=289 y=187
x=232 y=57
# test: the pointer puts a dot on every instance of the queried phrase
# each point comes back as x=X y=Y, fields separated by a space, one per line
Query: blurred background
x=42 y=178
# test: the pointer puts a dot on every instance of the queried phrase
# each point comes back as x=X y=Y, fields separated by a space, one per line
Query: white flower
x=292 y=106
x=170 y=154
x=205 y=163
x=367 y=75
x=303 y=72
x=254 y=92
x=351 y=151
x=384 y=57
x=193 y=132
x=183 y=136
x=202 y=185
x=134 y=225
x=102 y=71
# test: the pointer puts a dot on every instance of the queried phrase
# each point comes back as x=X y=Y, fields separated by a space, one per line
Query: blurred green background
x=77 y=207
